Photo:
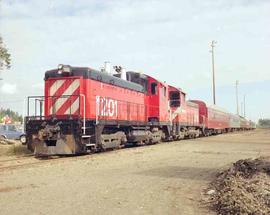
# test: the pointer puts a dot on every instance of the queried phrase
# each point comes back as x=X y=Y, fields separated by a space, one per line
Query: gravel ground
x=167 y=178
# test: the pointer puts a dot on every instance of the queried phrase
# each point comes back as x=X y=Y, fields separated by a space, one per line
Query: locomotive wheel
x=140 y=143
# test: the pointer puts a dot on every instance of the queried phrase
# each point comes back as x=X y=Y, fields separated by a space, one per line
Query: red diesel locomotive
x=85 y=110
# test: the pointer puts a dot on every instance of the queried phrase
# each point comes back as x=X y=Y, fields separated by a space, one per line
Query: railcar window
x=154 y=88
x=174 y=99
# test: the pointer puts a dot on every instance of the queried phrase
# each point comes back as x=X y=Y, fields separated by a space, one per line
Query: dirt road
x=167 y=178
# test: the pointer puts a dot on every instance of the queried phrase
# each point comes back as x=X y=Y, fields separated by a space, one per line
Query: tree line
x=264 y=123
x=15 y=116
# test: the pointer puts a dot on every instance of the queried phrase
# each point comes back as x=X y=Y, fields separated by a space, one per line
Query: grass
x=16 y=149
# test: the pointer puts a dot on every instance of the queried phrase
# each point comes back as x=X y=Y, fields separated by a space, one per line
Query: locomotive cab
x=184 y=115
x=158 y=97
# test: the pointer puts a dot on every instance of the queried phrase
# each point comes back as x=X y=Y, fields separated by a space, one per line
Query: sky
x=169 y=40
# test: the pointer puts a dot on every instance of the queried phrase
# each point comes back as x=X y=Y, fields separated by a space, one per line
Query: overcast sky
x=169 y=40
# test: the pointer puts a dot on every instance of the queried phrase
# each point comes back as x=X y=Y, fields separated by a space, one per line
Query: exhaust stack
x=123 y=74
x=107 y=67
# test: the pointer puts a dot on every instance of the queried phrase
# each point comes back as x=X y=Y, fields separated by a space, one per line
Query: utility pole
x=236 y=93
x=244 y=105
x=1 y=79
x=213 y=70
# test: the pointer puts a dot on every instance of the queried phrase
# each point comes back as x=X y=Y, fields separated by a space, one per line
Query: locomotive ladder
x=85 y=136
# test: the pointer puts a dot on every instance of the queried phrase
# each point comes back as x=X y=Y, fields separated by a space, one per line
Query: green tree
x=5 y=58
x=264 y=123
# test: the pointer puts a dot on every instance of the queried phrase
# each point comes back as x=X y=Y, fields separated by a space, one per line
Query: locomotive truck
x=84 y=111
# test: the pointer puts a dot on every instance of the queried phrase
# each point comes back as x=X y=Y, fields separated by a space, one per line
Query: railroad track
x=16 y=158
x=31 y=160
x=18 y=162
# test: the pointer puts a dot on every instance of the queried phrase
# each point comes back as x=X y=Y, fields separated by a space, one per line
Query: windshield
x=11 y=128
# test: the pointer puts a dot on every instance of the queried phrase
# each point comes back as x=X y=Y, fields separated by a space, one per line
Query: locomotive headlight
x=64 y=69
x=60 y=67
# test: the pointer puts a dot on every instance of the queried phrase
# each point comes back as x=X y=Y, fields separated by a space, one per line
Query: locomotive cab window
x=154 y=88
x=174 y=99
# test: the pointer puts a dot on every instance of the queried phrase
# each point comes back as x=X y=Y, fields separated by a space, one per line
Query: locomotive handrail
x=134 y=111
x=63 y=96
x=41 y=99
x=84 y=128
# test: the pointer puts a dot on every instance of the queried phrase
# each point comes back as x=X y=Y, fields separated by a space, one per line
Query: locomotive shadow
x=54 y=157
x=182 y=172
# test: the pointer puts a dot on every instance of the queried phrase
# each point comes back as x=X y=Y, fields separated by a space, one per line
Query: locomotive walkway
x=167 y=178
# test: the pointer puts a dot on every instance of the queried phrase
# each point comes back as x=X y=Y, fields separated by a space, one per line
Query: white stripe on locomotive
x=74 y=107
x=55 y=86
